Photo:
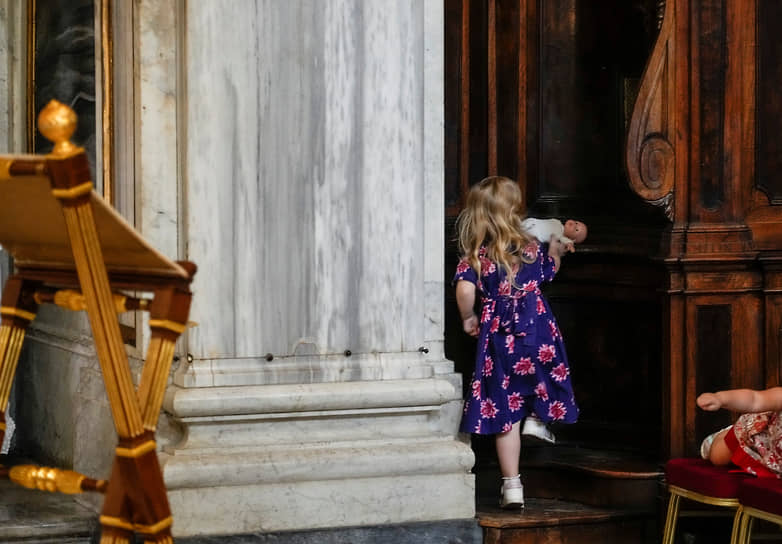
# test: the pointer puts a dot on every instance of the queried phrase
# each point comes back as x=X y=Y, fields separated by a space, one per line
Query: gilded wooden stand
x=72 y=249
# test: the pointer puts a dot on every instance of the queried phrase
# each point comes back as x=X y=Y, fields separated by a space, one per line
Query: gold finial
x=58 y=123
x=47 y=479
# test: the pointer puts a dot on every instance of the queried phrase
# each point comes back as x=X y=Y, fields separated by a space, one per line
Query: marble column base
x=457 y=531
x=321 y=504
x=292 y=457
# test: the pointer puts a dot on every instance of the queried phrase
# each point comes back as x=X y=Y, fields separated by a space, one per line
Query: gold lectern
x=72 y=249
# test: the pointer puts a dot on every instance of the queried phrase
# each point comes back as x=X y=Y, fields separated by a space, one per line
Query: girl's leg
x=508 y=451
x=720 y=454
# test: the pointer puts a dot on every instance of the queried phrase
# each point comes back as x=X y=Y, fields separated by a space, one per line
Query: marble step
x=36 y=517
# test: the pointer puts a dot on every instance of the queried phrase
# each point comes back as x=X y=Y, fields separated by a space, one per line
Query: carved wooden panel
x=585 y=80
x=724 y=346
x=609 y=313
x=773 y=320
x=674 y=345
x=697 y=95
x=538 y=91
x=711 y=53
x=773 y=316
x=713 y=343
x=769 y=119
x=650 y=135
x=699 y=101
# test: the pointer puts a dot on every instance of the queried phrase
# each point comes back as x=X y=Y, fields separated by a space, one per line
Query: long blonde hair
x=492 y=218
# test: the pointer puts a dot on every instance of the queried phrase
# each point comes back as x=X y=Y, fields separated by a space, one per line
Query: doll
x=570 y=233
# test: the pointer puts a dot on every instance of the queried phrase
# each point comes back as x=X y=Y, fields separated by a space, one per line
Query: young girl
x=521 y=368
x=754 y=442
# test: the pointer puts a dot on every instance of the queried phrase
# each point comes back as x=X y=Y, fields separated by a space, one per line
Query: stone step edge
x=297 y=464
x=260 y=399
x=596 y=471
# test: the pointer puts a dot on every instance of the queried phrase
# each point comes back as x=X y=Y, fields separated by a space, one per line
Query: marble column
x=13 y=87
x=316 y=393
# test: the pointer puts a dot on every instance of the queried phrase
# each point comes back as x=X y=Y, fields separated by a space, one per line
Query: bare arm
x=465 y=300
x=743 y=400
x=556 y=250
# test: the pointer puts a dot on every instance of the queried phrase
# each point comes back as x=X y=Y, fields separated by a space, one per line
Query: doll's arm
x=742 y=400
x=569 y=245
x=465 y=300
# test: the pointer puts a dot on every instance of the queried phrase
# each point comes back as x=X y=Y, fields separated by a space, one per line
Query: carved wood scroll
x=650 y=152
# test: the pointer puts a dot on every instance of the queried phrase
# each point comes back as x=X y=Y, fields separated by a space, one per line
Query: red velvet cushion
x=762 y=493
x=702 y=477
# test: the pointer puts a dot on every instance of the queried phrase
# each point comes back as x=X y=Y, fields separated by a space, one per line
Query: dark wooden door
x=541 y=91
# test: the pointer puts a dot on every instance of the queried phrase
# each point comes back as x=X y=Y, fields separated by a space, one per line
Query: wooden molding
x=650 y=150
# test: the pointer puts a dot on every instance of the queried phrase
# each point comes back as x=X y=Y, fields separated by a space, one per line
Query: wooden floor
x=557 y=521
x=575 y=495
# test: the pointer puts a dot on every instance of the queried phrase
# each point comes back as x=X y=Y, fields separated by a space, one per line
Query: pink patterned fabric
x=756 y=442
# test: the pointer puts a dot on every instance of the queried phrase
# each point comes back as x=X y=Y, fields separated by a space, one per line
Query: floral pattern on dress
x=760 y=437
x=521 y=364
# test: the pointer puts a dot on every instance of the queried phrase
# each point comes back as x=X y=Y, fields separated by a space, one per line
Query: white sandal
x=512 y=493
x=535 y=427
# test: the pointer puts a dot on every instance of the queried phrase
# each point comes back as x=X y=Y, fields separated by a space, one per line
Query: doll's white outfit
x=544 y=229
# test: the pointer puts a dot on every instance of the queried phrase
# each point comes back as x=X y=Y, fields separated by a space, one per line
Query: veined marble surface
x=434 y=164
x=306 y=179
x=13 y=76
x=157 y=179
x=319 y=504
x=6 y=48
x=292 y=150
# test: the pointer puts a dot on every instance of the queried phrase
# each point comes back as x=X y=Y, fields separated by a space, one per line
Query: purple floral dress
x=520 y=366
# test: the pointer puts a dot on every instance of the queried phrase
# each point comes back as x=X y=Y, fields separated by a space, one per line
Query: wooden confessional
x=70 y=248
x=655 y=122
x=703 y=145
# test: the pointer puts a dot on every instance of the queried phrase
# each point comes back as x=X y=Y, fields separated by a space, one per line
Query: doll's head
x=575 y=230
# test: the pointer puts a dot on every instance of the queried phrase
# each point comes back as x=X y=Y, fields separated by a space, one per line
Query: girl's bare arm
x=555 y=250
x=743 y=400
x=465 y=300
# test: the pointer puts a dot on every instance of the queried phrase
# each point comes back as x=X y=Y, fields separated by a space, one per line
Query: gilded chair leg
x=112 y=535
x=748 y=531
x=743 y=534
x=737 y=520
x=17 y=310
x=159 y=539
x=671 y=518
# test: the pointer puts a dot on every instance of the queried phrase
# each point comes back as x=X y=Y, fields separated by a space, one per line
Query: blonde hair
x=492 y=218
